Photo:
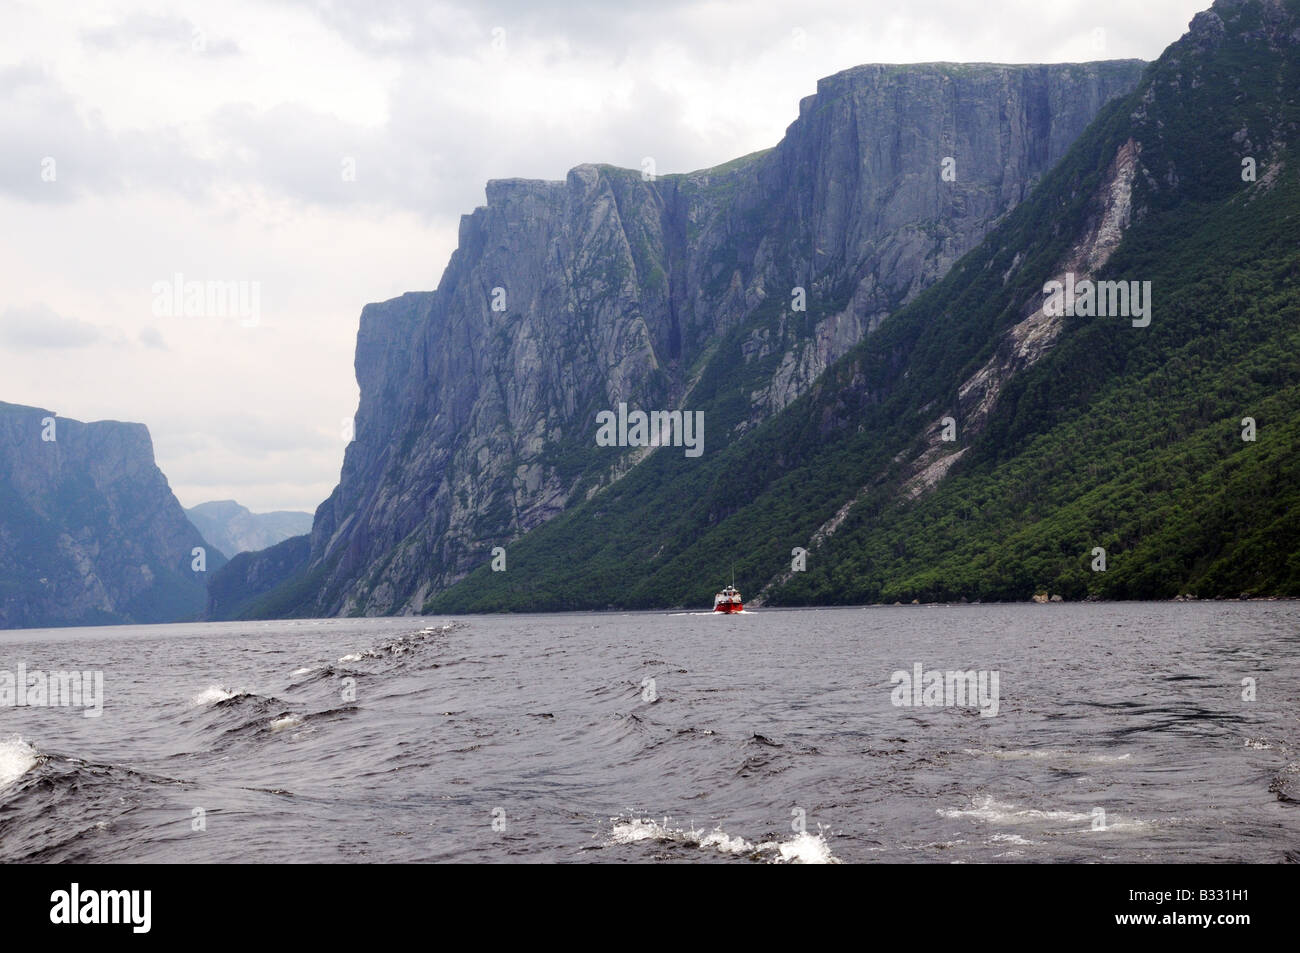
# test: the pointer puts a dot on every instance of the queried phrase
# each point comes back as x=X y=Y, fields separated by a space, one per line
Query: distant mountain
x=234 y=529
x=90 y=532
x=728 y=290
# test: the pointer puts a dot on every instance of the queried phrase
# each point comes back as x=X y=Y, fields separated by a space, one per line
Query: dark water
x=532 y=738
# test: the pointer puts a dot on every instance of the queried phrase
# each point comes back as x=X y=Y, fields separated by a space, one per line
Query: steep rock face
x=1094 y=435
x=235 y=529
x=90 y=532
x=1109 y=455
x=873 y=144
x=564 y=298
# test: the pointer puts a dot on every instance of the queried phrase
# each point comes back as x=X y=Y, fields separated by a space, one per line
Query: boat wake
x=802 y=848
x=17 y=757
x=989 y=810
x=713 y=613
x=65 y=809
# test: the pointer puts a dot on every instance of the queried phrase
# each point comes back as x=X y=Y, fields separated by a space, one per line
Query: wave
x=286 y=721
x=230 y=714
x=401 y=645
x=1286 y=783
x=317 y=673
x=60 y=808
x=802 y=848
x=17 y=757
x=216 y=700
x=214 y=694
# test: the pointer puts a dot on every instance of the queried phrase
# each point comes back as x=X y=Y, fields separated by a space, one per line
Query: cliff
x=678 y=291
x=983 y=445
x=90 y=532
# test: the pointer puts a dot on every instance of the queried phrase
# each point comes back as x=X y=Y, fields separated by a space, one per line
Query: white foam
x=641 y=829
x=719 y=840
x=985 y=808
x=215 y=693
x=1048 y=754
x=1010 y=839
x=302 y=671
x=802 y=848
x=288 y=721
x=806 y=848
x=711 y=614
x=991 y=811
x=352 y=657
x=17 y=757
x=637 y=829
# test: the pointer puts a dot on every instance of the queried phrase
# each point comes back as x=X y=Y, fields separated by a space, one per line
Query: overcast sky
x=322 y=153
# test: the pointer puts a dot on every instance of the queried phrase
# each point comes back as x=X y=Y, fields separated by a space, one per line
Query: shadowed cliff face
x=478 y=400
x=90 y=532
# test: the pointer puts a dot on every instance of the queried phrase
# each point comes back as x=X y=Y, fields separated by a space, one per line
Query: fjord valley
x=480 y=401
x=866 y=328
x=928 y=427
x=915 y=481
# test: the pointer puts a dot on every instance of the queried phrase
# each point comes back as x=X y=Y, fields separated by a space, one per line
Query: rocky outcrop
x=90 y=532
x=565 y=298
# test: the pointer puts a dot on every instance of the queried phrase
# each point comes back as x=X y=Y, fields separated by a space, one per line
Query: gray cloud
x=55 y=151
x=438 y=147
x=38 y=327
x=721 y=34
x=413 y=164
x=415 y=28
x=150 y=337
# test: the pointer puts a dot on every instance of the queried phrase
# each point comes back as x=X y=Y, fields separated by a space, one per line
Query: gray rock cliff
x=90 y=532
x=564 y=298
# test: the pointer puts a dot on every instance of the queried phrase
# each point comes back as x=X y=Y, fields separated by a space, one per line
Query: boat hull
x=729 y=607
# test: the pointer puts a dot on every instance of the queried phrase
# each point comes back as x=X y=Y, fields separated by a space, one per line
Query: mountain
x=1164 y=443
x=234 y=529
x=90 y=532
x=727 y=291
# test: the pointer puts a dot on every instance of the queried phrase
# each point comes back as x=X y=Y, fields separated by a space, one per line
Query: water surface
x=1121 y=735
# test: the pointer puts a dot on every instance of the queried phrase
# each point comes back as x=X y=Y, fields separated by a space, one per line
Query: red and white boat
x=728 y=600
